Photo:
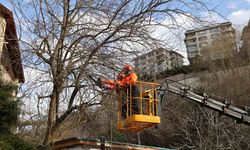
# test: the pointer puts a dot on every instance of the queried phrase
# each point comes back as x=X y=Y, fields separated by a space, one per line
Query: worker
x=126 y=82
x=129 y=81
x=130 y=77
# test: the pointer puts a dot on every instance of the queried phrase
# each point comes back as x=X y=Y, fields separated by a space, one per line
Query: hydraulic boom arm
x=224 y=107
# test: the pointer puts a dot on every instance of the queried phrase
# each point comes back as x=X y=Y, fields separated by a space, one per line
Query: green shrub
x=9 y=111
x=9 y=141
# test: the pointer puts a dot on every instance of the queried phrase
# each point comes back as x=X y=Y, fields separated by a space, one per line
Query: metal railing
x=139 y=99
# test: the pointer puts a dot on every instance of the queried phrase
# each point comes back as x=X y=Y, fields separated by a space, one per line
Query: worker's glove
x=118 y=87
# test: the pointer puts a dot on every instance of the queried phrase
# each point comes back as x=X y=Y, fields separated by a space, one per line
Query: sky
x=235 y=11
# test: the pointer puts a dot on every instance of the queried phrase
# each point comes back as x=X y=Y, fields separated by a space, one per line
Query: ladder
x=223 y=106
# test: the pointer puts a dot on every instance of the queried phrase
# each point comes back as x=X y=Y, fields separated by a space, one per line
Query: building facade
x=245 y=37
x=10 y=65
x=211 y=42
x=157 y=61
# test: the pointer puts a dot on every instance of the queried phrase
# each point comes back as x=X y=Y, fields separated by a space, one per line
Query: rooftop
x=158 y=49
x=208 y=27
x=96 y=143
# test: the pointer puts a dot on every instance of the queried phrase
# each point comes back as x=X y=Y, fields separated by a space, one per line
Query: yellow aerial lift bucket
x=138 y=107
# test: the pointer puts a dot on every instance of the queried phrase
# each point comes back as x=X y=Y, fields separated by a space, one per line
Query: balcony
x=190 y=37
x=191 y=41
x=201 y=33
x=203 y=38
x=192 y=47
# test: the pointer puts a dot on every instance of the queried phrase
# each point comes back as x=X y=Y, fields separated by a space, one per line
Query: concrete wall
x=2 y=31
x=195 y=79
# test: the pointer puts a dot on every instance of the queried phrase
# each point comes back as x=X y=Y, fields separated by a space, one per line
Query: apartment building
x=211 y=42
x=10 y=65
x=157 y=61
x=245 y=37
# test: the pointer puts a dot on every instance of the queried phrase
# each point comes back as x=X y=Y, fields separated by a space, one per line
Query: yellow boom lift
x=149 y=100
x=149 y=105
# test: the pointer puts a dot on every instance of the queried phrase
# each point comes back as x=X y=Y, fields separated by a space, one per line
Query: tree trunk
x=51 y=118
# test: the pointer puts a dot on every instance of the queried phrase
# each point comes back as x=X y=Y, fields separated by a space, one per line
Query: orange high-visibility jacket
x=130 y=79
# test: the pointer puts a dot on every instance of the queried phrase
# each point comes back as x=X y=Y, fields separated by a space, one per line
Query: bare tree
x=66 y=42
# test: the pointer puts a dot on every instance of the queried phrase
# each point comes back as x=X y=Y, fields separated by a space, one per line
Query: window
x=203 y=38
x=191 y=41
x=192 y=47
x=190 y=34
x=202 y=33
